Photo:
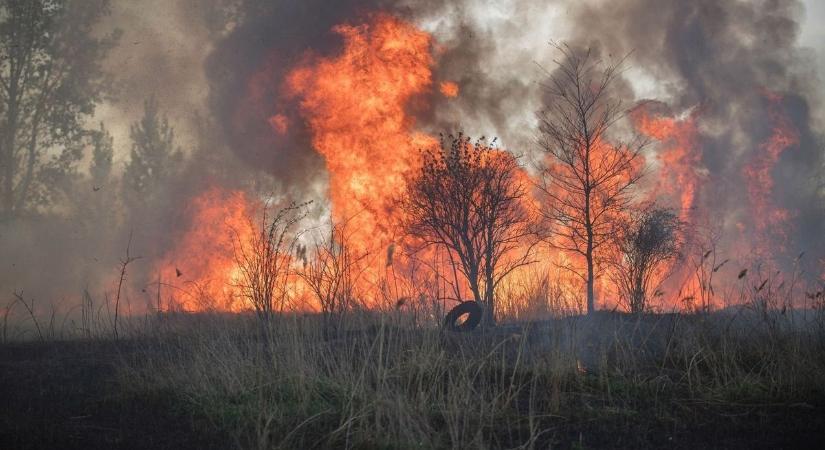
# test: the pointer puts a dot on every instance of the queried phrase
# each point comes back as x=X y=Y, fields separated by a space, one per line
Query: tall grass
x=572 y=380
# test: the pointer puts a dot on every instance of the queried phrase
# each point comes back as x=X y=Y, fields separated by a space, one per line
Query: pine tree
x=153 y=158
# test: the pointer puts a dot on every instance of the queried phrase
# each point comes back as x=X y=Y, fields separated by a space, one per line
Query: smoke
x=736 y=66
x=217 y=67
x=245 y=73
x=740 y=64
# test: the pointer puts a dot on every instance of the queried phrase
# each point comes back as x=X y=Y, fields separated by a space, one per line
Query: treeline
x=51 y=81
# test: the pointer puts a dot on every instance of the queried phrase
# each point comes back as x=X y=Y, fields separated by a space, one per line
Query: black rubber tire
x=469 y=307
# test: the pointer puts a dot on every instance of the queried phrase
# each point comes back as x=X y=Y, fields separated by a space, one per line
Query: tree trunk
x=481 y=300
x=489 y=318
x=7 y=156
x=638 y=298
x=591 y=296
x=588 y=225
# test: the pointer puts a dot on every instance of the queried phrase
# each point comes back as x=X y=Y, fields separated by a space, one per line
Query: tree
x=50 y=81
x=469 y=198
x=153 y=157
x=646 y=243
x=586 y=177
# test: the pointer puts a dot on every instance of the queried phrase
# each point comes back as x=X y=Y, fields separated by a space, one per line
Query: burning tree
x=646 y=244
x=469 y=198
x=586 y=178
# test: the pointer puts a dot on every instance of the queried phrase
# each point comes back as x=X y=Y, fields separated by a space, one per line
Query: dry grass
x=604 y=380
x=749 y=376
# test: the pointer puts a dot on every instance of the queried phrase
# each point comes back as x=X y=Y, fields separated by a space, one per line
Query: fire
x=201 y=270
x=770 y=221
x=678 y=180
x=679 y=155
x=681 y=177
x=354 y=104
x=448 y=89
x=279 y=123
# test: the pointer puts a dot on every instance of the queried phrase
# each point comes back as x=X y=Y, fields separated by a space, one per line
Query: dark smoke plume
x=716 y=57
x=724 y=61
x=727 y=58
x=246 y=72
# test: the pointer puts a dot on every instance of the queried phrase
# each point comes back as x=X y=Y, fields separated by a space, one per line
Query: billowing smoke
x=246 y=73
x=734 y=69
x=740 y=66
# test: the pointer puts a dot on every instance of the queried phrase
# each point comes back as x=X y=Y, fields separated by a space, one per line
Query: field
x=730 y=379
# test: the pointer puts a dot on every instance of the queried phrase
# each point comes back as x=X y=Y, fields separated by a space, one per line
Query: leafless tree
x=331 y=270
x=645 y=243
x=469 y=198
x=266 y=262
x=587 y=176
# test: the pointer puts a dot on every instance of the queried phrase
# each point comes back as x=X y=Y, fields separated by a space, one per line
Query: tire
x=471 y=308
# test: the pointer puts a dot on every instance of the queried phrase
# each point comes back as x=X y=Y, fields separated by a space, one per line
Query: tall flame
x=770 y=221
x=354 y=104
x=680 y=159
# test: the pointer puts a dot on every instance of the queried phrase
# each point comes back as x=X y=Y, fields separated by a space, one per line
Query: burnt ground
x=65 y=395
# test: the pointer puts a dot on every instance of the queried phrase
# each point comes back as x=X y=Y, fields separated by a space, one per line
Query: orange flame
x=201 y=269
x=355 y=107
x=770 y=221
x=448 y=89
x=354 y=104
x=680 y=158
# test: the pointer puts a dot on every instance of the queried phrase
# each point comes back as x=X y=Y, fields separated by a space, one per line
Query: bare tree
x=266 y=262
x=331 y=272
x=646 y=243
x=587 y=176
x=469 y=198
